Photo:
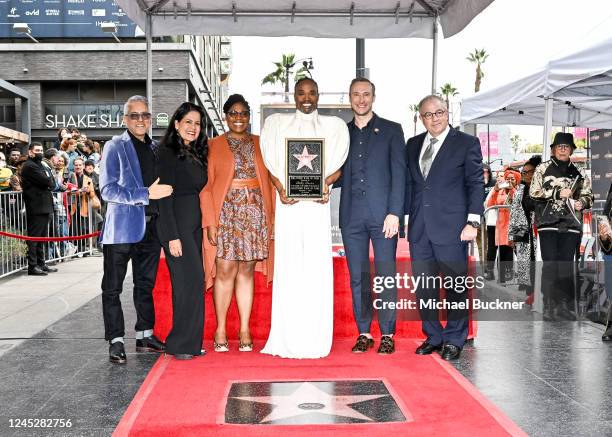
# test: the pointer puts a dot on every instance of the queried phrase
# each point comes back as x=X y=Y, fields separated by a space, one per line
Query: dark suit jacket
x=385 y=172
x=439 y=206
x=37 y=184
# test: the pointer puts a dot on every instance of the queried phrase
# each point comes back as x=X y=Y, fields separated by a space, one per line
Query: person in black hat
x=561 y=191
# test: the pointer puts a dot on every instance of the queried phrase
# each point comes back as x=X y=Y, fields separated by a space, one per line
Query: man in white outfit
x=303 y=286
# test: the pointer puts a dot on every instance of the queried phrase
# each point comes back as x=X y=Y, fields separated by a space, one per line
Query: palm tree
x=478 y=57
x=447 y=90
x=283 y=72
x=516 y=144
x=415 y=109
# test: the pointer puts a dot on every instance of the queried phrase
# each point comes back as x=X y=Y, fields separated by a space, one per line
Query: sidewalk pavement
x=29 y=304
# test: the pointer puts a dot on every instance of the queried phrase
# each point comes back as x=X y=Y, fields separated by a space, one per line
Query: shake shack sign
x=101 y=116
x=83 y=121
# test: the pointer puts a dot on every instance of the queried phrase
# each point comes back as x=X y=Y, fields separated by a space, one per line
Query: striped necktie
x=428 y=157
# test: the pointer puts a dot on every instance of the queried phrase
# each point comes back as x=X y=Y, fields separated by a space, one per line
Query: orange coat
x=501 y=197
x=85 y=198
x=220 y=175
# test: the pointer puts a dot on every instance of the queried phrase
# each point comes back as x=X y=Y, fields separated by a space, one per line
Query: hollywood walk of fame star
x=305 y=159
x=309 y=398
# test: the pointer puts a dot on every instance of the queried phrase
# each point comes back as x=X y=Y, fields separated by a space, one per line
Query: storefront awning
x=12 y=136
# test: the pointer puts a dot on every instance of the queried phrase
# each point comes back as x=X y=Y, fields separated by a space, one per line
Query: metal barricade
x=68 y=220
x=13 y=252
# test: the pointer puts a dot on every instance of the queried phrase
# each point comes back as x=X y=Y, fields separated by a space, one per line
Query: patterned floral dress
x=243 y=233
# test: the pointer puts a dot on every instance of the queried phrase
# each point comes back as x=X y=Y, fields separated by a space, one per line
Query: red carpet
x=188 y=398
x=344 y=323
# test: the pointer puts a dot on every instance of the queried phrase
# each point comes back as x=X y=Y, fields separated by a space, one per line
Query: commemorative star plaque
x=305 y=165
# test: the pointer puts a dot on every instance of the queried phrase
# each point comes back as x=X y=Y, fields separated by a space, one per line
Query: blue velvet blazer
x=122 y=187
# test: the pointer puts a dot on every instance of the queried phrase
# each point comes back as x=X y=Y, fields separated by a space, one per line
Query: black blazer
x=385 y=172
x=37 y=183
x=439 y=205
x=179 y=213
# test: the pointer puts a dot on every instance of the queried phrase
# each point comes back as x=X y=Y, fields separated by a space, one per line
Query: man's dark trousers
x=429 y=261
x=145 y=260
x=38 y=226
x=356 y=235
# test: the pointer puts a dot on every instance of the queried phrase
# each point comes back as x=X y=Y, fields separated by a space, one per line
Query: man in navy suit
x=371 y=204
x=444 y=201
x=128 y=183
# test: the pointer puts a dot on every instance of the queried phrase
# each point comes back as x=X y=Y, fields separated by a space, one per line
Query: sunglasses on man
x=136 y=116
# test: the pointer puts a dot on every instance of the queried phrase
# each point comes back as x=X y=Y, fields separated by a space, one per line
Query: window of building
x=60 y=92
x=7 y=113
x=96 y=91
x=92 y=92
x=125 y=90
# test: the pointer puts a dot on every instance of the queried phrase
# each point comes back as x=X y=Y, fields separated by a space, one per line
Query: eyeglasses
x=563 y=146
x=429 y=115
x=527 y=171
x=135 y=116
x=235 y=114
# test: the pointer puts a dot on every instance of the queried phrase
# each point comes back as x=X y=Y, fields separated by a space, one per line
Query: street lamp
x=110 y=27
x=24 y=29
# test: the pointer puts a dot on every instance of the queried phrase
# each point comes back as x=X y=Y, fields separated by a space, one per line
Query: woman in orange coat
x=237 y=212
x=502 y=194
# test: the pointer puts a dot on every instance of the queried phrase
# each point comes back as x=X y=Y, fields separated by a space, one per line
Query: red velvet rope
x=49 y=239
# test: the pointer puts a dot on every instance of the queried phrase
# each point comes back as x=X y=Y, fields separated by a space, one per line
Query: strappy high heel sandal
x=245 y=347
x=221 y=347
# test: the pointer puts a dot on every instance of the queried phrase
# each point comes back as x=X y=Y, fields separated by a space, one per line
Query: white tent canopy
x=572 y=90
x=315 y=18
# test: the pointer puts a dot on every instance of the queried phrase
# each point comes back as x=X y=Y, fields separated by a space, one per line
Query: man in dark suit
x=371 y=204
x=37 y=183
x=444 y=201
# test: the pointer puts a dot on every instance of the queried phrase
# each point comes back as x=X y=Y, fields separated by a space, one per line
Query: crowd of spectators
x=74 y=164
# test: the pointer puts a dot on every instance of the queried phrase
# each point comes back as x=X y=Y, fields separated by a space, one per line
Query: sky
x=519 y=36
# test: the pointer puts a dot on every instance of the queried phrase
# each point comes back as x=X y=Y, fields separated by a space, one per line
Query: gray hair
x=432 y=97
x=133 y=99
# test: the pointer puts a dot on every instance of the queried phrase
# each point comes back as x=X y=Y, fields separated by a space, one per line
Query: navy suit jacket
x=122 y=187
x=385 y=172
x=438 y=206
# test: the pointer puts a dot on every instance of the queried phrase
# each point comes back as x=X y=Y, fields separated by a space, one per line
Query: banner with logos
x=64 y=18
x=601 y=163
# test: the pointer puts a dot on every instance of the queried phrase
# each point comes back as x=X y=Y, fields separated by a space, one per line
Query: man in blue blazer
x=371 y=204
x=444 y=201
x=128 y=182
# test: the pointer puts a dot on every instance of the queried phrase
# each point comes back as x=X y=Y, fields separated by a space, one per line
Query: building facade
x=84 y=84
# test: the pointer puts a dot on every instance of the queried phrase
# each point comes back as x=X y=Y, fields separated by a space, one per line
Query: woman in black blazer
x=182 y=162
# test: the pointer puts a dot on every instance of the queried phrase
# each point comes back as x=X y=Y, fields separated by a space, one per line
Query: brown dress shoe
x=387 y=345
x=363 y=344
